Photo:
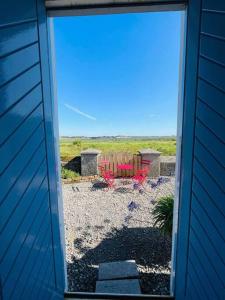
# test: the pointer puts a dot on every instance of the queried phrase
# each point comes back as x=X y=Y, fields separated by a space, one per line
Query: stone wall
x=167 y=165
x=87 y=163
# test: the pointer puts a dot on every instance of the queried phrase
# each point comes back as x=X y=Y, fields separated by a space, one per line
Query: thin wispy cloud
x=76 y=110
x=153 y=116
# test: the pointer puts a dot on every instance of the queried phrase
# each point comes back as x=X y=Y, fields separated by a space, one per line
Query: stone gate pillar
x=89 y=162
x=154 y=156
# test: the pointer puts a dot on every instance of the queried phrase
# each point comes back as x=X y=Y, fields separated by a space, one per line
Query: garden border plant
x=163 y=214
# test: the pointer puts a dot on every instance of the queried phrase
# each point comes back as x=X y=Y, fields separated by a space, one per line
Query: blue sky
x=118 y=74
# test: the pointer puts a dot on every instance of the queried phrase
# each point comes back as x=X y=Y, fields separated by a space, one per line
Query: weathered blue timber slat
x=17 y=37
x=16 y=266
x=210 y=208
x=205 y=115
x=213 y=166
x=32 y=267
x=213 y=22
x=209 y=236
x=26 y=209
x=40 y=245
x=210 y=185
x=217 y=5
x=198 y=259
x=11 y=203
x=208 y=138
x=15 y=90
x=43 y=288
x=21 y=60
x=194 y=283
x=212 y=96
x=6 y=149
x=212 y=72
x=34 y=274
x=206 y=261
x=13 y=182
x=16 y=12
x=197 y=271
x=20 y=112
x=213 y=48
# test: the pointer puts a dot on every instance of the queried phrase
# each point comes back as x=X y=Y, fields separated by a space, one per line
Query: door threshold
x=96 y=296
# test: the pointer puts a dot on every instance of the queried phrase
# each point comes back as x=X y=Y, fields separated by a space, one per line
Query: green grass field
x=69 y=148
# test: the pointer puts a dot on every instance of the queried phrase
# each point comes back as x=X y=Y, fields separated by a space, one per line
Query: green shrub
x=77 y=143
x=163 y=214
x=69 y=174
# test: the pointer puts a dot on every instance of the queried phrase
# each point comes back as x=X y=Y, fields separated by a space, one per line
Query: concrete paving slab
x=124 y=286
x=118 y=270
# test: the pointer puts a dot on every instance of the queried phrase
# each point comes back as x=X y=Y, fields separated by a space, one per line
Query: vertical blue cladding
x=31 y=260
x=200 y=269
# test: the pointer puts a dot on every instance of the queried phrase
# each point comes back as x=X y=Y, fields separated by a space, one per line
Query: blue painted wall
x=200 y=271
x=31 y=259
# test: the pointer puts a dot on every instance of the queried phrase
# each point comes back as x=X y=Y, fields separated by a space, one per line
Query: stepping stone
x=118 y=270
x=124 y=286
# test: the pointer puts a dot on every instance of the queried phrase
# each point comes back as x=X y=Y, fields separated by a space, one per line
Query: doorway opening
x=117 y=87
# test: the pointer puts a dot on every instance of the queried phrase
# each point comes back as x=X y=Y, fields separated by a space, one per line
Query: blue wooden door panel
x=213 y=23
x=19 y=188
x=41 y=251
x=213 y=5
x=17 y=37
x=44 y=257
x=213 y=166
x=41 y=245
x=203 y=217
x=31 y=259
x=21 y=61
x=213 y=48
x=17 y=12
x=194 y=284
x=208 y=138
x=196 y=268
x=13 y=182
x=210 y=271
x=193 y=291
x=14 y=258
x=205 y=228
x=206 y=116
x=210 y=207
x=47 y=272
x=7 y=149
x=212 y=72
x=25 y=290
x=26 y=210
x=19 y=116
x=210 y=184
x=212 y=97
x=15 y=90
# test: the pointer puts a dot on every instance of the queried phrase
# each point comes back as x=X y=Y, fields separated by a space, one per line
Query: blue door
x=200 y=269
x=31 y=259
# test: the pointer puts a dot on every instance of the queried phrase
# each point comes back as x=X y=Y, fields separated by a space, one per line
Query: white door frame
x=166 y=6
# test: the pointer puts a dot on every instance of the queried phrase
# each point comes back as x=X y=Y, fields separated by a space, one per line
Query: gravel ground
x=100 y=227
